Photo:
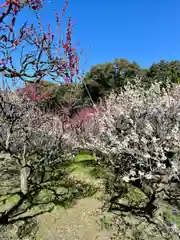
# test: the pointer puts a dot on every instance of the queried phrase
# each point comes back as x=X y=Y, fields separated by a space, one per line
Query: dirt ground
x=77 y=223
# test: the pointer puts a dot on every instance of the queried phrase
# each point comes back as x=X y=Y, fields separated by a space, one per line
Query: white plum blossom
x=146 y=144
x=148 y=176
x=140 y=173
x=132 y=173
x=126 y=179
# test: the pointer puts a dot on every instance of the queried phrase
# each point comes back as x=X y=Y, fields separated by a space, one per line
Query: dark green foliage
x=102 y=78
x=126 y=72
x=64 y=95
x=111 y=75
x=94 y=89
x=164 y=72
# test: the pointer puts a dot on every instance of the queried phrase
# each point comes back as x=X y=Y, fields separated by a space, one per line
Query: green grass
x=7 y=202
x=84 y=157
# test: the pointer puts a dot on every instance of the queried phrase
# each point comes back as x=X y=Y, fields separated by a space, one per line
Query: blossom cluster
x=139 y=132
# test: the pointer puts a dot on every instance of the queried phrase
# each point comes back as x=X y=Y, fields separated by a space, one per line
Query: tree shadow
x=48 y=187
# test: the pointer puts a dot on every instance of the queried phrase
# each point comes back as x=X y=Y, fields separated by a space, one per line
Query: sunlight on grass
x=8 y=201
x=84 y=157
x=82 y=167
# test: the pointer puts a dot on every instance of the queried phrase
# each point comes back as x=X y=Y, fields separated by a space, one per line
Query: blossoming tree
x=29 y=139
x=41 y=52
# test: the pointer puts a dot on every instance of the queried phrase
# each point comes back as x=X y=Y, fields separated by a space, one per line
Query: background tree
x=164 y=72
x=54 y=97
x=111 y=75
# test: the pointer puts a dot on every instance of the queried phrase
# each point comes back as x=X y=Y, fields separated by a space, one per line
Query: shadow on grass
x=48 y=189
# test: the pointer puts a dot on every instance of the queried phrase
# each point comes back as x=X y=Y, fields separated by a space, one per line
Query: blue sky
x=144 y=31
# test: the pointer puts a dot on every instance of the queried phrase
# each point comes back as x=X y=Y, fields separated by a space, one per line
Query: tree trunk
x=24 y=174
x=24 y=180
